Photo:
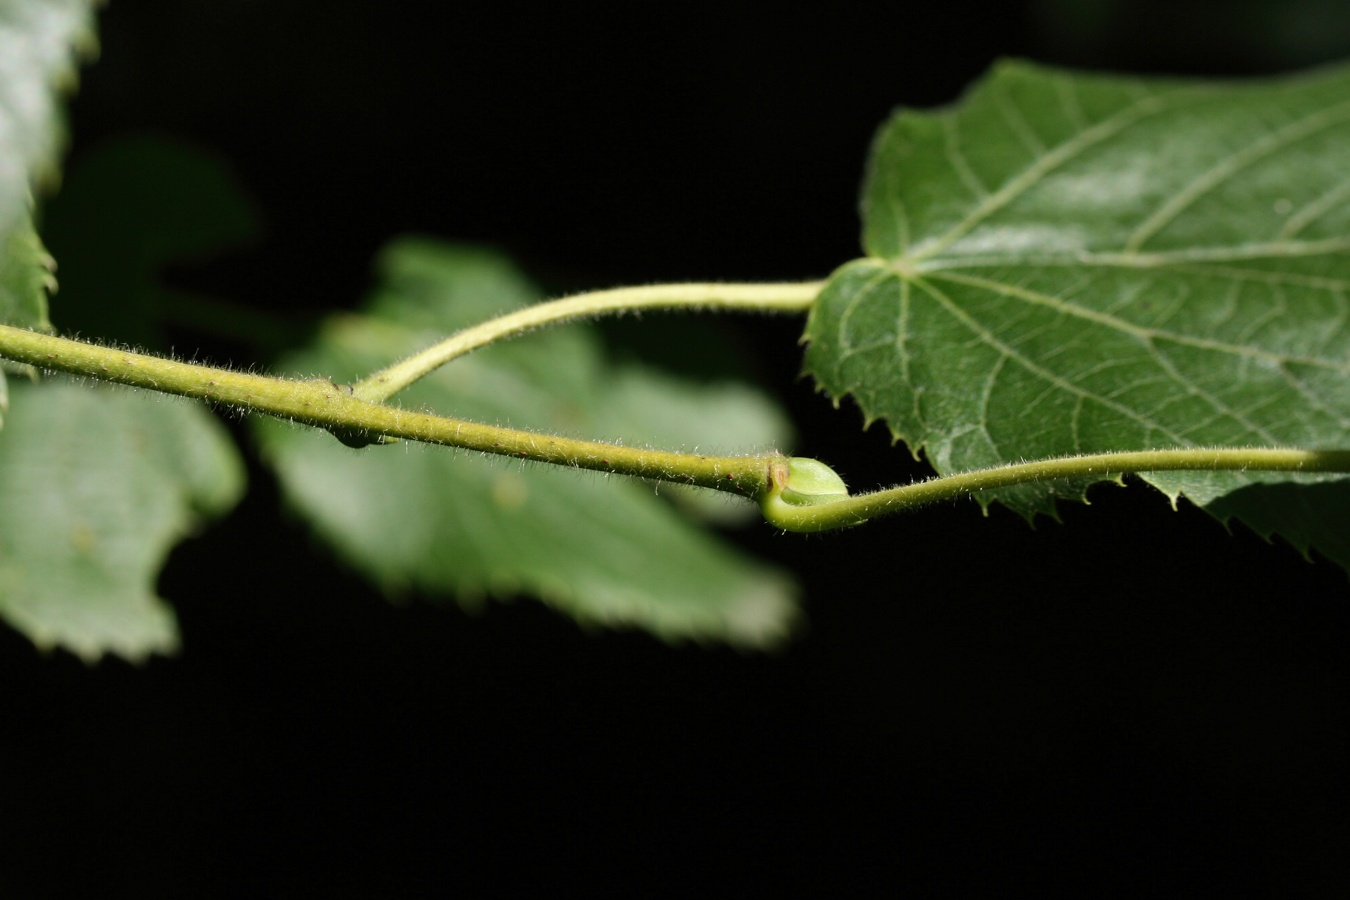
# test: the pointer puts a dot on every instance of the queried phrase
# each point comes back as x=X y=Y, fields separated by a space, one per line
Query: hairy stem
x=357 y=421
x=825 y=509
x=769 y=298
x=795 y=494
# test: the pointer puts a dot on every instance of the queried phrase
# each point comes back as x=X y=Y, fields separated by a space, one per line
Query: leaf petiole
x=828 y=509
x=764 y=298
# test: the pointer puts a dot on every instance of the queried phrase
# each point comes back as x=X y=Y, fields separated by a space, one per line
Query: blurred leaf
x=605 y=550
x=38 y=42
x=25 y=279
x=127 y=210
x=97 y=484
x=716 y=419
x=1068 y=263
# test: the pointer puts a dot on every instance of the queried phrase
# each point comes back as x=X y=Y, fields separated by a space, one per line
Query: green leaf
x=119 y=476
x=38 y=42
x=605 y=550
x=1068 y=263
x=97 y=484
x=719 y=419
x=130 y=208
x=25 y=279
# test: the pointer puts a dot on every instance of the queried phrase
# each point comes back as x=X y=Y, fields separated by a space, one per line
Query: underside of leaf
x=96 y=485
x=1067 y=263
x=605 y=550
x=39 y=40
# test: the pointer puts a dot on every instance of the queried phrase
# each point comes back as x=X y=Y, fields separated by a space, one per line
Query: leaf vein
x=1149 y=334
x=1195 y=390
x=1012 y=115
x=956 y=158
x=1147 y=105
x=989 y=339
x=1207 y=181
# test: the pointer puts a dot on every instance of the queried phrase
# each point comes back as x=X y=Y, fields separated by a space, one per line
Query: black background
x=1132 y=701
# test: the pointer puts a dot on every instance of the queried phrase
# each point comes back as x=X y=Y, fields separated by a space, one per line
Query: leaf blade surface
x=1068 y=263
x=39 y=40
x=96 y=485
x=606 y=551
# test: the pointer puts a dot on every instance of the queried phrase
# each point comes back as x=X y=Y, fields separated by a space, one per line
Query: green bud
x=811 y=482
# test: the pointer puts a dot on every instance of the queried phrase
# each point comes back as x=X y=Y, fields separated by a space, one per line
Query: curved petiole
x=765 y=298
x=805 y=499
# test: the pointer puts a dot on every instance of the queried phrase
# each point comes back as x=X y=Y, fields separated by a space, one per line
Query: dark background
x=1132 y=701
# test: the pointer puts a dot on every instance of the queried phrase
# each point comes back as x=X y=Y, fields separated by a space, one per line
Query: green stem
x=356 y=421
x=787 y=298
x=795 y=494
x=821 y=505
